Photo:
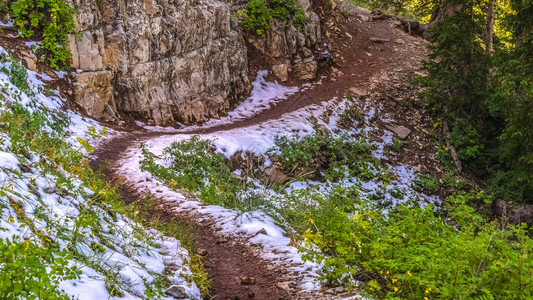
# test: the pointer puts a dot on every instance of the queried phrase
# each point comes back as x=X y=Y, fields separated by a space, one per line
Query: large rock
x=176 y=60
x=94 y=94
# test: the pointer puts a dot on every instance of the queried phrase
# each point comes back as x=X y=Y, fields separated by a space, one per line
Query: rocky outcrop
x=174 y=60
x=290 y=48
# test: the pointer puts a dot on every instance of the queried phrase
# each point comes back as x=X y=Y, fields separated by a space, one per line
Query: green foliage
x=486 y=98
x=259 y=13
x=298 y=152
x=54 y=19
x=516 y=103
x=337 y=157
x=18 y=76
x=285 y=9
x=412 y=253
x=426 y=183
x=467 y=140
x=257 y=18
x=41 y=137
x=196 y=167
x=457 y=68
x=29 y=271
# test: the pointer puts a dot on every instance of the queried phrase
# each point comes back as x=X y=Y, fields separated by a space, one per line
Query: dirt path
x=226 y=261
x=358 y=59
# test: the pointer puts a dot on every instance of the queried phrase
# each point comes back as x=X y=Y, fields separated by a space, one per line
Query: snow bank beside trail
x=118 y=258
x=264 y=95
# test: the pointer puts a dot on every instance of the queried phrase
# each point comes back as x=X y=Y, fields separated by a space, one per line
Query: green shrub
x=29 y=271
x=467 y=140
x=412 y=253
x=258 y=14
x=297 y=151
x=336 y=156
x=285 y=9
x=506 y=185
x=426 y=183
x=197 y=168
x=54 y=19
x=18 y=75
x=257 y=18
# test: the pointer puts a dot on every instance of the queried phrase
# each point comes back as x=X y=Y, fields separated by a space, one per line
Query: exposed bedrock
x=176 y=60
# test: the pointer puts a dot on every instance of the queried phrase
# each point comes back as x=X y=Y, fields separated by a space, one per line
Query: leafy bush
x=467 y=140
x=28 y=271
x=413 y=253
x=297 y=151
x=194 y=166
x=284 y=9
x=259 y=14
x=426 y=183
x=257 y=18
x=54 y=19
x=18 y=75
x=336 y=156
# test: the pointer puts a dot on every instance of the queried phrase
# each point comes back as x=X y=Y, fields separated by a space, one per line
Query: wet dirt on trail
x=226 y=261
x=357 y=60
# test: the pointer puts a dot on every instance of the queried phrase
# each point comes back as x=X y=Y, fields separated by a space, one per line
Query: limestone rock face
x=291 y=48
x=174 y=60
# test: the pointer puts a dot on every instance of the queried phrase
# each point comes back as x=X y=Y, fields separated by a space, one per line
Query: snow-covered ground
x=118 y=258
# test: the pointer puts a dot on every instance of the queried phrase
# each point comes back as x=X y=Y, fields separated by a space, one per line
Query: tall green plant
x=54 y=19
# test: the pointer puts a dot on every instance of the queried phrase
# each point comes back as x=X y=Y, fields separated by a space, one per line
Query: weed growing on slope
x=89 y=233
x=29 y=271
x=54 y=18
x=258 y=14
x=18 y=76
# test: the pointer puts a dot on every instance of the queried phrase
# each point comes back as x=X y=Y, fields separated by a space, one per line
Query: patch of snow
x=33 y=44
x=230 y=222
x=9 y=23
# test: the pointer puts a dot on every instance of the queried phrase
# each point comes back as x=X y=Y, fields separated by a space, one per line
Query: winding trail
x=226 y=261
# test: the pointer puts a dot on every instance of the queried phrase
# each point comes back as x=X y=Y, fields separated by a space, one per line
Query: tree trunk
x=453 y=152
x=439 y=15
x=520 y=39
x=489 y=30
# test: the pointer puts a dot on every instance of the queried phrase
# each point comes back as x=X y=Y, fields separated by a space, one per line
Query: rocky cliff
x=175 y=60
